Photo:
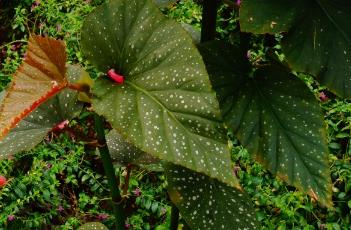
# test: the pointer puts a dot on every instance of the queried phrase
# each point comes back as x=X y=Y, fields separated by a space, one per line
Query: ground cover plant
x=159 y=113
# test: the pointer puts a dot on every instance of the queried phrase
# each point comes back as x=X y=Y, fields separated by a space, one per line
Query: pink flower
x=103 y=216
x=11 y=218
x=238 y=2
x=60 y=208
x=63 y=124
x=323 y=97
x=119 y=79
x=137 y=192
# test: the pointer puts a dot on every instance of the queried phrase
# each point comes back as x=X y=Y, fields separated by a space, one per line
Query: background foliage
x=55 y=183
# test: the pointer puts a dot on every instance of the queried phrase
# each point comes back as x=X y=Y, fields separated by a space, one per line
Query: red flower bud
x=3 y=181
x=119 y=79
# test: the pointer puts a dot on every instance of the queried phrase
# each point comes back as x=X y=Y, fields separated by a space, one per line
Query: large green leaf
x=206 y=203
x=124 y=152
x=318 y=39
x=275 y=116
x=32 y=129
x=166 y=106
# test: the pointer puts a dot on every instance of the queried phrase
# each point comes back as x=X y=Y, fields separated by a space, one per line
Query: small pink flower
x=238 y=2
x=102 y=216
x=11 y=218
x=119 y=79
x=137 y=192
x=323 y=97
x=63 y=124
x=60 y=208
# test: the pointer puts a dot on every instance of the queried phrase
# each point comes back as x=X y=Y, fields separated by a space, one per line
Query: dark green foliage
x=274 y=116
x=166 y=106
x=318 y=36
x=206 y=203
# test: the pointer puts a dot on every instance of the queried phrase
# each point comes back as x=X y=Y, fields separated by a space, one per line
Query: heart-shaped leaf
x=124 y=152
x=166 y=106
x=275 y=116
x=40 y=76
x=93 y=226
x=32 y=129
x=206 y=203
x=318 y=39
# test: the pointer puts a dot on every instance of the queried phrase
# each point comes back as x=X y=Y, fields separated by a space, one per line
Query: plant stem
x=209 y=19
x=174 y=218
x=110 y=173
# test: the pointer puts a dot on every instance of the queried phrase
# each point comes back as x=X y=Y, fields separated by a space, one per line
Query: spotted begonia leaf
x=166 y=106
x=206 y=203
x=164 y=3
x=40 y=76
x=275 y=117
x=93 y=226
x=318 y=39
x=124 y=152
x=33 y=128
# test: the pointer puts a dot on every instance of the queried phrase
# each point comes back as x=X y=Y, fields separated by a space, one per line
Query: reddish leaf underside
x=39 y=77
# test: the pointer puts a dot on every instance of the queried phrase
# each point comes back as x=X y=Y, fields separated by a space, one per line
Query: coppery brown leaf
x=39 y=77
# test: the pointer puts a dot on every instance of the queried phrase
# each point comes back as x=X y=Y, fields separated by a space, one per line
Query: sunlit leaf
x=166 y=106
x=318 y=39
x=206 y=203
x=93 y=226
x=79 y=76
x=40 y=76
x=275 y=116
x=33 y=128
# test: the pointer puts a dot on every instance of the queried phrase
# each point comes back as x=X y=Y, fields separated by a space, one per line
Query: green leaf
x=206 y=203
x=164 y=3
x=166 y=106
x=124 y=152
x=318 y=39
x=275 y=116
x=77 y=75
x=33 y=129
x=93 y=226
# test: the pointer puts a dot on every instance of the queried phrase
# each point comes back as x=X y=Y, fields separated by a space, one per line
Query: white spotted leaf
x=318 y=38
x=33 y=128
x=166 y=106
x=206 y=203
x=124 y=152
x=93 y=226
x=164 y=3
x=275 y=116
